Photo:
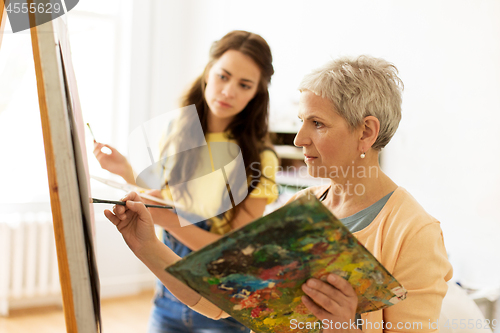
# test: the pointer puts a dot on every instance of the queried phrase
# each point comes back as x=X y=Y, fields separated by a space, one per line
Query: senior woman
x=350 y=109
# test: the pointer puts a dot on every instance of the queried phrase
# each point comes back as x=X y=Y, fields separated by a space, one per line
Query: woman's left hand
x=332 y=301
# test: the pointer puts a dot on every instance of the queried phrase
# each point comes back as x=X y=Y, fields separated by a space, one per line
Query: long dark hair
x=249 y=128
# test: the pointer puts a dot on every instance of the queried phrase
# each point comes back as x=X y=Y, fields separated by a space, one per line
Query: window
x=99 y=46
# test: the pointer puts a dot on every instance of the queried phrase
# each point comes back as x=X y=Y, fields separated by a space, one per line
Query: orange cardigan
x=409 y=243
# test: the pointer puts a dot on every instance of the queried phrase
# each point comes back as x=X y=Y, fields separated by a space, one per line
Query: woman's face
x=232 y=82
x=329 y=145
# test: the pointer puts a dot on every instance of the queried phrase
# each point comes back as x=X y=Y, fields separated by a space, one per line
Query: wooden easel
x=68 y=180
x=3 y=14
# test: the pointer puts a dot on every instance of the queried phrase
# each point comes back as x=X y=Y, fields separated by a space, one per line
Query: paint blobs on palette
x=248 y=250
x=259 y=310
x=255 y=273
x=232 y=262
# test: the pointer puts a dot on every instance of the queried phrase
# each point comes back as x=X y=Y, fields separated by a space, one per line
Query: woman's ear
x=370 y=129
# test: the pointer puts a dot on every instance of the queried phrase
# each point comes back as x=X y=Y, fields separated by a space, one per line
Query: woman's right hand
x=114 y=162
x=134 y=222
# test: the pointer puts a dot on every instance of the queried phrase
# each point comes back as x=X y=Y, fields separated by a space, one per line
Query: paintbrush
x=122 y=203
x=91 y=132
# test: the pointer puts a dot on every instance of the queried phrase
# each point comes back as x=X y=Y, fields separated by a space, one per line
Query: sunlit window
x=97 y=44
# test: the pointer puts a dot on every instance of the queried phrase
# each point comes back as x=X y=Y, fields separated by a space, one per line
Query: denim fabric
x=169 y=315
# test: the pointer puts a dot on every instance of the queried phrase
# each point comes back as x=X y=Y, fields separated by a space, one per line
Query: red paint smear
x=297 y=274
x=319 y=248
x=256 y=312
x=277 y=271
x=258 y=296
x=268 y=293
x=251 y=302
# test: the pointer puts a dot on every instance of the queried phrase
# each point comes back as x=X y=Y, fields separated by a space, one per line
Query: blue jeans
x=169 y=315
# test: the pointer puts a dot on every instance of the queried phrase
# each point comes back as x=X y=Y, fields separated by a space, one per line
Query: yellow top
x=210 y=199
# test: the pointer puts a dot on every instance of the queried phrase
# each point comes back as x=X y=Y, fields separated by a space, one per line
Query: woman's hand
x=134 y=222
x=114 y=162
x=333 y=301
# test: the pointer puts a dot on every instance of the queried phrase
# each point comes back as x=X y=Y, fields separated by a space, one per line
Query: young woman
x=232 y=101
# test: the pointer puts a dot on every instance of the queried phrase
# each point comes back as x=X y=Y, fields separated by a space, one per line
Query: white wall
x=120 y=272
x=448 y=52
x=105 y=102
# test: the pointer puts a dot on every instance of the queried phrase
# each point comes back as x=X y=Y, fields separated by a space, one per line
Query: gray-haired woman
x=350 y=109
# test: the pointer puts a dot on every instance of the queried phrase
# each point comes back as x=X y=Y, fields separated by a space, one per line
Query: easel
x=67 y=172
x=2 y=20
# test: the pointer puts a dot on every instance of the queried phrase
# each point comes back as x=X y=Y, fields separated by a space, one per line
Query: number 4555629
x=470 y=324
x=48 y=8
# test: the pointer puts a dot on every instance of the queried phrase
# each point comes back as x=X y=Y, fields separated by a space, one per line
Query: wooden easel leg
x=4 y=303
x=3 y=16
x=65 y=278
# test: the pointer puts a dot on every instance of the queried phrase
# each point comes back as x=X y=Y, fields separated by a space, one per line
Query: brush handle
x=122 y=203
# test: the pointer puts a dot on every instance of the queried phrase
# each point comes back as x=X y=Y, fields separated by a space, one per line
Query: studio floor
x=125 y=315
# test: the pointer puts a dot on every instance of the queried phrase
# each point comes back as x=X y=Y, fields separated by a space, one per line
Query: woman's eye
x=244 y=86
x=317 y=124
x=222 y=77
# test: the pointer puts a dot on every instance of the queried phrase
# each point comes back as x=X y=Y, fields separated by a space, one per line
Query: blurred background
x=133 y=60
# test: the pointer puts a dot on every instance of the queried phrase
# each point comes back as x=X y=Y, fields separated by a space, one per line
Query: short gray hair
x=360 y=87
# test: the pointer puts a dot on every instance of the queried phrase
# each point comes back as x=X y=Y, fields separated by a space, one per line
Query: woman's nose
x=229 y=90
x=301 y=138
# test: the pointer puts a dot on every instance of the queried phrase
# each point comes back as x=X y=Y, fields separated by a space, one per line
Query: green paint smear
x=213 y=281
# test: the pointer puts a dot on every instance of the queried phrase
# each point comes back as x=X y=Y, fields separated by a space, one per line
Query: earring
x=362 y=155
